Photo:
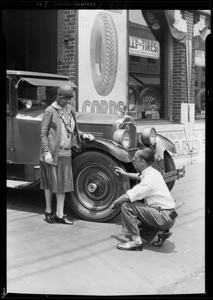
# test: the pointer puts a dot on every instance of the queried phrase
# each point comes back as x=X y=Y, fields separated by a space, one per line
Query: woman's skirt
x=57 y=179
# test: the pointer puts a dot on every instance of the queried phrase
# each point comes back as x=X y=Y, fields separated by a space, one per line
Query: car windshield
x=39 y=95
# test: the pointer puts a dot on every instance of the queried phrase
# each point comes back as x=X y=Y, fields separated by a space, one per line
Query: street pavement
x=82 y=259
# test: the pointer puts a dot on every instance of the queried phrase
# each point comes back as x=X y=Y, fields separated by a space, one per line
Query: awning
x=175 y=21
x=46 y=82
x=144 y=80
x=202 y=28
x=177 y=25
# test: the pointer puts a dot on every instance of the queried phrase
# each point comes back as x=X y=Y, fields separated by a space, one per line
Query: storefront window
x=144 y=69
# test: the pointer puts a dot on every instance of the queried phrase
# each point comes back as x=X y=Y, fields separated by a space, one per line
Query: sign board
x=102 y=61
x=199 y=58
x=144 y=47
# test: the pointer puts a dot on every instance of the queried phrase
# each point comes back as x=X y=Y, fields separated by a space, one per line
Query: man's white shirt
x=152 y=189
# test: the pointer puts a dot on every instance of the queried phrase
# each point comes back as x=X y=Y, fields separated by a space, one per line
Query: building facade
x=147 y=62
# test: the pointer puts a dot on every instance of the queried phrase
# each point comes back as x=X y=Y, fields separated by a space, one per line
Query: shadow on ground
x=33 y=201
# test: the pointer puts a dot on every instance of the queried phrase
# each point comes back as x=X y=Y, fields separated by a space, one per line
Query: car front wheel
x=96 y=186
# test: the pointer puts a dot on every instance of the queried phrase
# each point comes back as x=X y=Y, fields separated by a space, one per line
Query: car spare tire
x=104 y=53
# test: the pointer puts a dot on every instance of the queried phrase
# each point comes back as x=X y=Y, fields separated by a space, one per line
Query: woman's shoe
x=63 y=220
x=49 y=217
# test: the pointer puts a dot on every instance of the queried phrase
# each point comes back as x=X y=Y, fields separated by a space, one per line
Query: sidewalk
x=83 y=260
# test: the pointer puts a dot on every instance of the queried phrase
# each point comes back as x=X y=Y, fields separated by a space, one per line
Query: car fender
x=108 y=146
x=162 y=144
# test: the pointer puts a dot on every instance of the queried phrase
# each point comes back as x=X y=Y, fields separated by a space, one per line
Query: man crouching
x=148 y=208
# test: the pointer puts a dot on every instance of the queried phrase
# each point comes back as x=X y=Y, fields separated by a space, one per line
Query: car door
x=27 y=130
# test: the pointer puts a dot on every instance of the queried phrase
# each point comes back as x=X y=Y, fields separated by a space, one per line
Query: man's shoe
x=63 y=220
x=161 y=238
x=130 y=246
x=49 y=217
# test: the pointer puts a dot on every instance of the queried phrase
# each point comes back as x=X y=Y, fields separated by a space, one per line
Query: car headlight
x=28 y=104
x=122 y=136
x=148 y=136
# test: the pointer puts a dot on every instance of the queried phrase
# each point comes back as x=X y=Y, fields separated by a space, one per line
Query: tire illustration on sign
x=104 y=53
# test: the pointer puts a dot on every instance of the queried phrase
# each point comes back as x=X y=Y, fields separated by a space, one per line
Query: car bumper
x=174 y=175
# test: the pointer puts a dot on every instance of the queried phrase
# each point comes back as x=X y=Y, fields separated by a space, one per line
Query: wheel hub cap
x=95 y=186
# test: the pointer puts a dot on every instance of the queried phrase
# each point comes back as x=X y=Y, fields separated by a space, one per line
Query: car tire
x=96 y=186
x=104 y=53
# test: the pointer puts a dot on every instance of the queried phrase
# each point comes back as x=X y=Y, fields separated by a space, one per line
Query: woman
x=59 y=132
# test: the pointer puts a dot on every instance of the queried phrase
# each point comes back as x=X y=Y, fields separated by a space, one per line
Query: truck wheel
x=104 y=53
x=96 y=186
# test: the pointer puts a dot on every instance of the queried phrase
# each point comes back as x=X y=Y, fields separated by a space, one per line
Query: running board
x=17 y=184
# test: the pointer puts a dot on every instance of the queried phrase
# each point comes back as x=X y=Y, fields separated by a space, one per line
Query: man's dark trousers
x=143 y=220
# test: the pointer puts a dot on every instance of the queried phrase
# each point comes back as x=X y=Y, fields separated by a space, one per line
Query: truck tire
x=104 y=53
x=96 y=186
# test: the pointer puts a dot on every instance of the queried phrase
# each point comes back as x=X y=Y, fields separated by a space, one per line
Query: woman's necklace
x=66 y=121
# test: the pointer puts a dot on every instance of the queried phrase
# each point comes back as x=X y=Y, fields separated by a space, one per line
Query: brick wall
x=180 y=71
x=67 y=43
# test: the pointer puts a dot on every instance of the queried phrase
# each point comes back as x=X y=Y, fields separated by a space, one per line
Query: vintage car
x=116 y=140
